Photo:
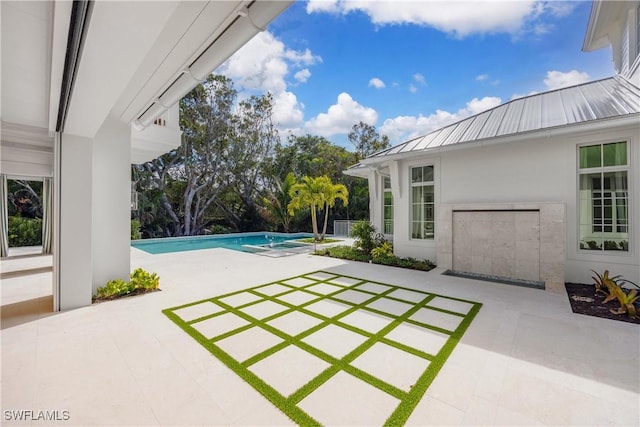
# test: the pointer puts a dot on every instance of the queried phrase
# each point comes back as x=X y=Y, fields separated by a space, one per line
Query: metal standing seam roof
x=601 y=99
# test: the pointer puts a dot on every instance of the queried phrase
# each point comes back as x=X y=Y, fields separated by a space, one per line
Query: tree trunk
x=326 y=219
x=314 y=222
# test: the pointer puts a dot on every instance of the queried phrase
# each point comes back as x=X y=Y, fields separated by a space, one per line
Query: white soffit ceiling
x=26 y=41
x=120 y=35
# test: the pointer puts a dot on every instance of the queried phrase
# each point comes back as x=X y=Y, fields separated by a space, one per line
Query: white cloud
x=558 y=79
x=460 y=18
x=419 y=78
x=341 y=117
x=263 y=65
x=402 y=128
x=413 y=88
x=377 y=83
x=303 y=75
x=287 y=111
x=482 y=77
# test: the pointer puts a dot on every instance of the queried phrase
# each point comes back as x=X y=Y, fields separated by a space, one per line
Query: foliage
x=366 y=140
x=344 y=252
x=135 y=230
x=216 y=172
x=385 y=250
x=275 y=203
x=24 y=231
x=23 y=198
x=627 y=301
x=365 y=235
x=612 y=288
x=233 y=171
x=316 y=194
x=141 y=281
x=316 y=156
x=354 y=254
x=312 y=240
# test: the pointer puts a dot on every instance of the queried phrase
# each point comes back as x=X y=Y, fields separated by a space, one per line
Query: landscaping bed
x=354 y=254
x=584 y=300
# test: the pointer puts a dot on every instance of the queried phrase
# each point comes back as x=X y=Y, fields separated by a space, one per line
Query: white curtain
x=4 y=217
x=47 y=217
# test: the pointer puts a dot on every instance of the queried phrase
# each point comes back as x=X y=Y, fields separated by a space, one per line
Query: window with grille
x=422 y=203
x=604 y=197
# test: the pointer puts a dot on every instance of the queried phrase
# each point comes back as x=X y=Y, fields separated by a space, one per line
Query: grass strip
x=288 y=405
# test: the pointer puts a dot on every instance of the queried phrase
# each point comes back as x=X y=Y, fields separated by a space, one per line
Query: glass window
x=422 y=203
x=604 y=197
x=388 y=206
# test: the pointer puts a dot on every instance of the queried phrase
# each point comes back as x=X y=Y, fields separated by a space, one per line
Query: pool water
x=235 y=241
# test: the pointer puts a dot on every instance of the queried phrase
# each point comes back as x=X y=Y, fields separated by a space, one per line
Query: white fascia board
x=594 y=126
x=61 y=21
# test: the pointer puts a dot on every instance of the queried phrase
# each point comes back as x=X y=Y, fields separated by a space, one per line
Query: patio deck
x=524 y=360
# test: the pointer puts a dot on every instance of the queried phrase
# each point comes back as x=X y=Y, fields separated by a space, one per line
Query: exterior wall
x=540 y=170
x=111 y=191
x=75 y=239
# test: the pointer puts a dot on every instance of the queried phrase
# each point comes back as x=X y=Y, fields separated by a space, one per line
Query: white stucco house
x=89 y=87
x=540 y=189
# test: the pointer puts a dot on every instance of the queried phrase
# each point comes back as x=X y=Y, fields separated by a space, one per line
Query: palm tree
x=330 y=194
x=276 y=204
x=316 y=193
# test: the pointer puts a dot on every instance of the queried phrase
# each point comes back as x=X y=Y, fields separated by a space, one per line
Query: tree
x=314 y=194
x=366 y=140
x=216 y=173
x=275 y=203
x=328 y=196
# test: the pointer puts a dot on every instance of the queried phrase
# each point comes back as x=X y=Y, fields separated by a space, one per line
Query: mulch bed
x=132 y=294
x=584 y=300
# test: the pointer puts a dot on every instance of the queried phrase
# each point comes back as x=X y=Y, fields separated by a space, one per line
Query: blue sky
x=411 y=67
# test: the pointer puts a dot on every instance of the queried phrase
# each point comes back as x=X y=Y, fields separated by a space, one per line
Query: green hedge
x=24 y=231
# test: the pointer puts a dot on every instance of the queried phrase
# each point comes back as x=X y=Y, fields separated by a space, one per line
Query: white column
x=111 y=228
x=375 y=205
x=74 y=260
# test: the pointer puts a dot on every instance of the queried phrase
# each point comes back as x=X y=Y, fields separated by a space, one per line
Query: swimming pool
x=237 y=241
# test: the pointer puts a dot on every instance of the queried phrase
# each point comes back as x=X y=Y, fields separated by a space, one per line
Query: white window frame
x=412 y=185
x=614 y=233
x=386 y=190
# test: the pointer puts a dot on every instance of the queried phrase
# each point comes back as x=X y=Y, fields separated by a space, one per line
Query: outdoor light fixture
x=249 y=21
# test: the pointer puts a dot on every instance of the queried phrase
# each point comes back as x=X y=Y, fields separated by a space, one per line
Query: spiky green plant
x=627 y=302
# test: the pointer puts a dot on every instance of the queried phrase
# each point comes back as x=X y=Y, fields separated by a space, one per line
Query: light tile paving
x=314 y=344
x=199 y=310
x=345 y=400
x=289 y=369
x=294 y=323
x=392 y=365
x=248 y=343
x=437 y=318
x=123 y=363
x=219 y=325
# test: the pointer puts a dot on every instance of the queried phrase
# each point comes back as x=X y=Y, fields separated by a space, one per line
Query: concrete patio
x=525 y=359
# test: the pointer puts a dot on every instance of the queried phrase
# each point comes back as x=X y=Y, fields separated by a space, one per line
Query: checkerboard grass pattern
x=322 y=346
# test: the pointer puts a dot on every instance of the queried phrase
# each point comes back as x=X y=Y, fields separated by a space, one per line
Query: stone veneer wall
x=552 y=236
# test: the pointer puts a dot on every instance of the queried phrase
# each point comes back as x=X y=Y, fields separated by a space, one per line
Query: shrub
x=135 y=230
x=24 y=231
x=611 y=287
x=610 y=245
x=366 y=237
x=141 y=281
x=353 y=254
x=593 y=244
x=344 y=252
x=385 y=250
